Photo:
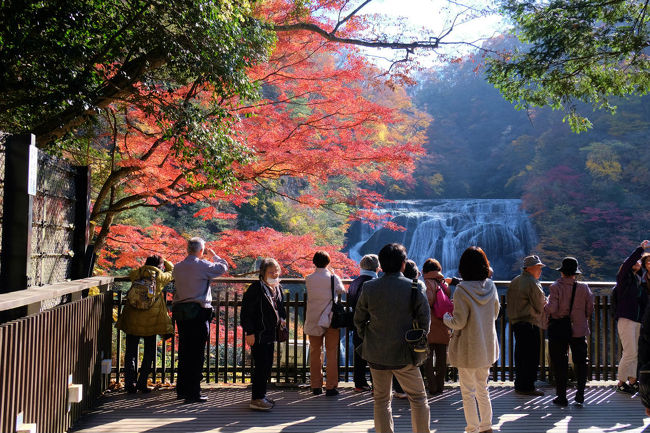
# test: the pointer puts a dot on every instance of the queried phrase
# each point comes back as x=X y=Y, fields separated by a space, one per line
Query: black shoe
x=625 y=388
x=561 y=401
x=131 y=389
x=197 y=399
x=317 y=391
x=180 y=397
x=635 y=386
x=535 y=392
x=580 y=397
x=331 y=392
x=145 y=390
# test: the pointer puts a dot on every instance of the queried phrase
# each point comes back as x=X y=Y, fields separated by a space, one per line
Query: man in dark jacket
x=384 y=313
x=369 y=265
x=630 y=299
x=525 y=305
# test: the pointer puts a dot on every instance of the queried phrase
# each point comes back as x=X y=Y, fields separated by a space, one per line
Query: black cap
x=569 y=266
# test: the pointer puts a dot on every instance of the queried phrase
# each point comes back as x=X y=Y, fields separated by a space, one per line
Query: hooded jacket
x=155 y=320
x=474 y=341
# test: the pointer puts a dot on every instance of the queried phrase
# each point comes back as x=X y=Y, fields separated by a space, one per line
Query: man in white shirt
x=192 y=310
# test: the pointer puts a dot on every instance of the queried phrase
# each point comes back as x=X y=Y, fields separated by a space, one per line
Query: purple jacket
x=559 y=300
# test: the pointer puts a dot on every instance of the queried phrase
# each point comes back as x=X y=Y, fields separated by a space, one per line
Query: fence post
x=80 y=262
x=21 y=166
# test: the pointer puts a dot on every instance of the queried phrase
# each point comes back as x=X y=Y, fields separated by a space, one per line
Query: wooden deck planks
x=299 y=411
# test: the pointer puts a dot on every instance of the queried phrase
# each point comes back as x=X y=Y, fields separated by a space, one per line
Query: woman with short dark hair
x=439 y=333
x=474 y=347
x=318 y=317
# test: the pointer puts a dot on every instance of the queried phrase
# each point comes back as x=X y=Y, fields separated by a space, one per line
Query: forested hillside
x=587 y=193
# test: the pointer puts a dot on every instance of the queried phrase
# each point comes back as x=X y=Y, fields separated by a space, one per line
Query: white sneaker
x=260 y=404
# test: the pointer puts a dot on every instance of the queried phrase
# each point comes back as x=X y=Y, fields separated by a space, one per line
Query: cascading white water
x=442 y=229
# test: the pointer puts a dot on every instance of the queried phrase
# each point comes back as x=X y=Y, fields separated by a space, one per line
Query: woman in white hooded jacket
x=474 y=346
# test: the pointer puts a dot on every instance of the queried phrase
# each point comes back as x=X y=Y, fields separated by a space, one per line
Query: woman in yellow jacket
x=145 y=323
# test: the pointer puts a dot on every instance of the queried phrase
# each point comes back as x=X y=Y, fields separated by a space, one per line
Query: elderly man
x=384 y=313
x=192 y=310
x=525 y=299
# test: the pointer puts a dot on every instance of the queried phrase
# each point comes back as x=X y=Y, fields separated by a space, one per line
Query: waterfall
x=442 y=229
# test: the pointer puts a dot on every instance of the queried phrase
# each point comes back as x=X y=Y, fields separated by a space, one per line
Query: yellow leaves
x=608 y=170
x=93 y=291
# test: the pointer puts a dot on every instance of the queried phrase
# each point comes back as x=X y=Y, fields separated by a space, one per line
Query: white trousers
x=473 y=389
x=628 y=333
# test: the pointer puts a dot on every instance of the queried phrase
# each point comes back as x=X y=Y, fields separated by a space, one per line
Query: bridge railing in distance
x=62 y=341
x=228 y=359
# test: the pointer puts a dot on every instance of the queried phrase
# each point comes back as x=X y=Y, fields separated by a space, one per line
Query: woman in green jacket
x=145 y=323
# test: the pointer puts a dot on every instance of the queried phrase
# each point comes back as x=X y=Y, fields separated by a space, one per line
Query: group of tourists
x=388 y=300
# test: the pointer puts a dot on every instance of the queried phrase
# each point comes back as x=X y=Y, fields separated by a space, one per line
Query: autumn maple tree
x=324 y=114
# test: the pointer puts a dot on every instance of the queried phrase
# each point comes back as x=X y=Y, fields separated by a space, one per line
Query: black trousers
x=262 y=363
x=360 y=364
x=192 y=338
x=435 y=374
x=526 y=355
x=558 y=349
x=131 y=361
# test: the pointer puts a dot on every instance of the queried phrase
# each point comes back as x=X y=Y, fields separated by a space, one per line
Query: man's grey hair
x=195 y=245
x=369 y=262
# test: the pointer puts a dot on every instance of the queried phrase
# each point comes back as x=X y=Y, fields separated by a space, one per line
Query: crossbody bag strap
x=414 y=288
x=332 y=287
x=573 y=295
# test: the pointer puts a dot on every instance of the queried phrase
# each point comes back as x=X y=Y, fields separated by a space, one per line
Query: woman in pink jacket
x=575 y=300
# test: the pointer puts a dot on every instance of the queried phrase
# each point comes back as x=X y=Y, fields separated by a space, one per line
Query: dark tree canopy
x=63 y=61
x=576 y=50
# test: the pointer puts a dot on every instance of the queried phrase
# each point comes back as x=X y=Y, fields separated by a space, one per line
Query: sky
x=433 y=18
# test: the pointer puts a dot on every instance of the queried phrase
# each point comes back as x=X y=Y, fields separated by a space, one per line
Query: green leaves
x=574 y=51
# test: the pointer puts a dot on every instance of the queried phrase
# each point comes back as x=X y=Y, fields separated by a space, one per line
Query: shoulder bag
x=342 y=316
x=416 y=337
x=560 y=329
x=442 y=304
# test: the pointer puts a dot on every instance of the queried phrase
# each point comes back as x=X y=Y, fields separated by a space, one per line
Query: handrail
x=32 y=295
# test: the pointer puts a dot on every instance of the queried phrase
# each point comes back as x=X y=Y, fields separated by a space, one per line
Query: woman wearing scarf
x=261 y=312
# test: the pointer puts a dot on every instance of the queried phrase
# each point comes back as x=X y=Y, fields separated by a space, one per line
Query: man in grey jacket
x=383 y=315
x=525 y=305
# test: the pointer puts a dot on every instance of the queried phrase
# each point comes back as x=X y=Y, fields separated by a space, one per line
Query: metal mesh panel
x=53 y=221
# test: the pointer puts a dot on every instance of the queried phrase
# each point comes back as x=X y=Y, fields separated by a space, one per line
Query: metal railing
x=44 y=352
x=228 y=359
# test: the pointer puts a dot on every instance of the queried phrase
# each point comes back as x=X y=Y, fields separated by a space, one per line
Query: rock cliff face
x=442 y=229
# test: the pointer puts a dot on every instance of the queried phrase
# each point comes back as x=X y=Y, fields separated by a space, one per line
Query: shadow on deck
x=300 y=411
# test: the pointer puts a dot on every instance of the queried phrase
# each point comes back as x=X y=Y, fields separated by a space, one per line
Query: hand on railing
x=250 y=339
x=644 y=244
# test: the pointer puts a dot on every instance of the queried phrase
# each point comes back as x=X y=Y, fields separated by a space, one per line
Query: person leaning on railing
x=192 y=310
x=145 y=324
